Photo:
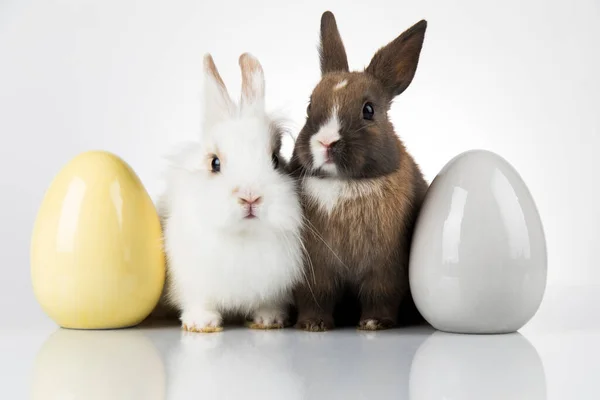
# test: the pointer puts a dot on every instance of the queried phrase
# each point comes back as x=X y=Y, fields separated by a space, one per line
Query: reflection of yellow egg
x=113 y=365
x=96 y=251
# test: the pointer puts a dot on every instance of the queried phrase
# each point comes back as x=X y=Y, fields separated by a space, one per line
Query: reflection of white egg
x=96 y=250
x=478 y=257
x=467 y=367
x=120 y=364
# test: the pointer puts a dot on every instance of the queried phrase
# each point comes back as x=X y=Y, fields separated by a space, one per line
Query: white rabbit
x=231 y=214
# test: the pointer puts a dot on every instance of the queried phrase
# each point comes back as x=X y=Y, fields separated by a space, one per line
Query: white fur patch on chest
x=327 y=193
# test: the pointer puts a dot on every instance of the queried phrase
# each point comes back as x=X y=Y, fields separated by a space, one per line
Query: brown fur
x=331 y=51
x=362 y=245
x=395 y=64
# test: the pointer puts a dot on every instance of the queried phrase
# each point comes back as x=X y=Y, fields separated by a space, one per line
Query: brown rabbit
x=361 y=190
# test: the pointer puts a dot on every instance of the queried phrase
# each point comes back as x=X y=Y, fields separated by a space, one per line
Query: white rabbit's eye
x=215 y=164
x=275 y=160
x=368 y=111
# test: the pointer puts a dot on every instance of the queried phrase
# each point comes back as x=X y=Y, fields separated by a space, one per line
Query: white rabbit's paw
x=269 y=318
x=201 y=321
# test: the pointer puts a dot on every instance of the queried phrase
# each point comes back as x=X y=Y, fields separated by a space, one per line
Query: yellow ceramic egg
x=96 y=251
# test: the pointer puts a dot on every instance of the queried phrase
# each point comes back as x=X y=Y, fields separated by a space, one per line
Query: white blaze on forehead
x=328 y=133
x=341 y=85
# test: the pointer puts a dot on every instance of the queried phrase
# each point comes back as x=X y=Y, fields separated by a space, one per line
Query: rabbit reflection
x=239 y=363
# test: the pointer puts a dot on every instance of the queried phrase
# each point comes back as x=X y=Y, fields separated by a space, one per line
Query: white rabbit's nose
x=250 y=199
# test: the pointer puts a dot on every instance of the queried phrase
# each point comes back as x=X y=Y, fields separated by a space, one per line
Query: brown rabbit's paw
x=267 y=323
x=375 y=324
x=314 y=325
x=268 y=318
x=256 y=325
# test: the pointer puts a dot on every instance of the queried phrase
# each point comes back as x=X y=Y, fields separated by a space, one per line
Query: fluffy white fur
x=218 y=261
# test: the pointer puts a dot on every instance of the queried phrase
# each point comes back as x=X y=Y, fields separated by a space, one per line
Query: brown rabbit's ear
x=395 y=64
x=332 y=52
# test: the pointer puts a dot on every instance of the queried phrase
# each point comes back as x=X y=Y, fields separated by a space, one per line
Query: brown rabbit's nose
x=327 y=144
x=250 y=200
x=329 y=147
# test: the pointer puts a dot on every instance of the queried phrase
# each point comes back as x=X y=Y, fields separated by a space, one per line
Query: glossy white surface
x=543 y=361
x=478 y=260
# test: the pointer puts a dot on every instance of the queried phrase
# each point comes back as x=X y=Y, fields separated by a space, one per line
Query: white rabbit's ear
x=253 y=84
x=218 y=105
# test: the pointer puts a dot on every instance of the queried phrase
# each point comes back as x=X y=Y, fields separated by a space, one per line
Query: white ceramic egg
x=478 y=259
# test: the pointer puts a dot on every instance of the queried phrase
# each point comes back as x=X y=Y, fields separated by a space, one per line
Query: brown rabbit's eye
x=368 y=111
x=215 y=164
x=308 y=109
x=275 y=160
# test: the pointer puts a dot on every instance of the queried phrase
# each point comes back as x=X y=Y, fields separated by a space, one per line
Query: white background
x=521 y=78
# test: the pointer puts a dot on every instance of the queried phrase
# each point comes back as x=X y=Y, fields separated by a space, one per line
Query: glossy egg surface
x=96 y=250
x=478 y=258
